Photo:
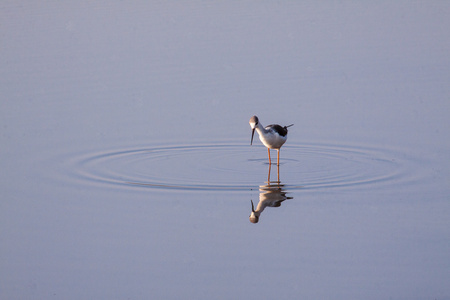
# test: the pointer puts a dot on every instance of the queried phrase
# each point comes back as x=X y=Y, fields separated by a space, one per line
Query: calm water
x=127 y=170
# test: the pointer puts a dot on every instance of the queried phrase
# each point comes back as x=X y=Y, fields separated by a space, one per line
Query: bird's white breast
x=272 y=140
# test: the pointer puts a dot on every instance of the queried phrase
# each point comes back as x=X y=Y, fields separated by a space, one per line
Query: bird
x=272 y=136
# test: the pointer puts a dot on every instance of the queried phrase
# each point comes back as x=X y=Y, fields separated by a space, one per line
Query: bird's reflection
x=271 y=194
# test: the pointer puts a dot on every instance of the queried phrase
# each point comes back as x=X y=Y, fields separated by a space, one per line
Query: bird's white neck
x=260 y=128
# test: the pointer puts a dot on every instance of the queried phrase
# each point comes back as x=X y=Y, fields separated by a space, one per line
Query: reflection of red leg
x=269 y=156
x=278 y=173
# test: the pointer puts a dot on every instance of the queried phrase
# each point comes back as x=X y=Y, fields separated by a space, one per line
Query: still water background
x=126 y=169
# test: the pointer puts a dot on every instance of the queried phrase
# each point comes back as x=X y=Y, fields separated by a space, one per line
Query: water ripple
x=234 y=167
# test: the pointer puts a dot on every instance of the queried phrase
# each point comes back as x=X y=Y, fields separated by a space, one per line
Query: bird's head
x=253 y=122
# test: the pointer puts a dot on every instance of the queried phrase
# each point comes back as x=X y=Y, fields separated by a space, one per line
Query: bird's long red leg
x=278 y=157
x=270 y=161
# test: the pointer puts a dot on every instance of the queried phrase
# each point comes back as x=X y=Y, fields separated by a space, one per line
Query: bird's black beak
x=253 y=207
x=253 y=133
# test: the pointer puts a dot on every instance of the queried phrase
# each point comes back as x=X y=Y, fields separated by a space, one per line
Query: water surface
x=127 y=171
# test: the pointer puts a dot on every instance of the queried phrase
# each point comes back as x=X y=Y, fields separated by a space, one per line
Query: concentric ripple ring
x=237 y=167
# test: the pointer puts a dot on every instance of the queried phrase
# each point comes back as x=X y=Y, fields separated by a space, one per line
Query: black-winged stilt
x=272 y=136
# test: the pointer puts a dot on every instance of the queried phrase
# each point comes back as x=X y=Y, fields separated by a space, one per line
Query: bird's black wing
x=279 y=129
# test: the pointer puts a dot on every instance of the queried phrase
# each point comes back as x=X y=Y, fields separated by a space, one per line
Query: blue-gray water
x=127 y=170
